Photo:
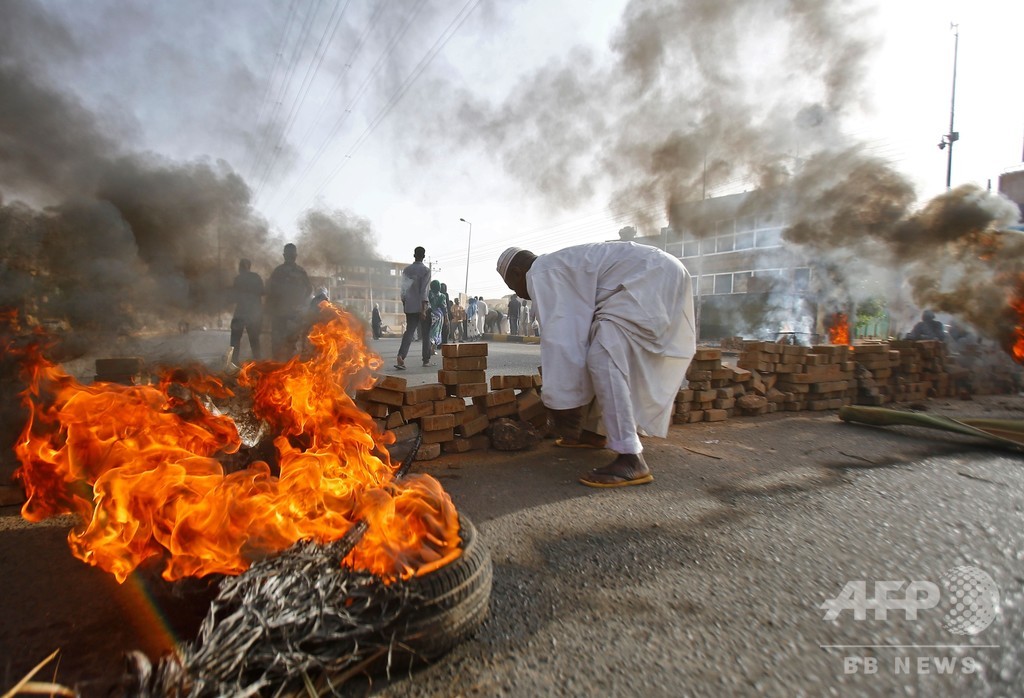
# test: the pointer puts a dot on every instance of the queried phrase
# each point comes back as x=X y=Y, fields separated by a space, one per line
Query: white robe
x=641 y=300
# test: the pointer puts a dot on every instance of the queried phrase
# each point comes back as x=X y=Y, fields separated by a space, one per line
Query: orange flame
x=140 y=466
x=1015 y=342
x=839 y=330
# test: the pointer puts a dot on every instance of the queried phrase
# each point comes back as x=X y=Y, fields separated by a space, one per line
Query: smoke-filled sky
x=149 y=144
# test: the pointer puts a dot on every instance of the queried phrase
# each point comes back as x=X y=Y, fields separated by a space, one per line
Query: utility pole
x=469 y=245
x=952 y=137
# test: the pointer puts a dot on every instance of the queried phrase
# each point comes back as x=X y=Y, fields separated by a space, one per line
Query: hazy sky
x=544 y=123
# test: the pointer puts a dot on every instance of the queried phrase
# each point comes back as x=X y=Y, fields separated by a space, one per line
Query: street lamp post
x=469 y=246
x=953 y=136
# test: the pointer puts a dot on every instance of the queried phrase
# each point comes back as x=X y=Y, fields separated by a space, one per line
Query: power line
x=389 y=49
x=378 y=11
x=317 y=60
x=285 y=85
x=270 y=82
x=348 y=65
x=443 y=39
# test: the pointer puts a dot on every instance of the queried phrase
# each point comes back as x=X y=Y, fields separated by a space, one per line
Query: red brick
x=438 y=435
x=424 y=393
x=464 y=349
x=434 y=422
x=465 y=390
x=464 y=363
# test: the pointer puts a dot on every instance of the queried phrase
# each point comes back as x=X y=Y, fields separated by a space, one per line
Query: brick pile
x=821 y=379
x=405 y=410
x=923 y=370
x=905 y=371
x=713 y=392
x=769 y=362
x=521 y=394
x=876 y=372
x=440 y=410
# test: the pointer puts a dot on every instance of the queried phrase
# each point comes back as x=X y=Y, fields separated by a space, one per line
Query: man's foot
x=627 y=469
x=586 y=439
x=400 y=364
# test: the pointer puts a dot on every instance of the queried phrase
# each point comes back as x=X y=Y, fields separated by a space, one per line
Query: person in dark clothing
x=513 y=314
x=493 y=322
x=928 y=328
x=375 y=323
x=415 y=287
x=288 y=292
x=446 y=318
x=247 y=291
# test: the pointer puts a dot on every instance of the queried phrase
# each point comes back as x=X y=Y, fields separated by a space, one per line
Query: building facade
x=747 y=281
x=358 y=284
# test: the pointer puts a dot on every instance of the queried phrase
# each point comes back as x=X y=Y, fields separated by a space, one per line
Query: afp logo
x=968 y=597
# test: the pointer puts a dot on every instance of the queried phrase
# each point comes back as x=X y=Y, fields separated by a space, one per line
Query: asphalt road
x=708 y=581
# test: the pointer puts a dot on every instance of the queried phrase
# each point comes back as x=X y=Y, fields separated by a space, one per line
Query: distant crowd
x=287 y=301
x=433 y=318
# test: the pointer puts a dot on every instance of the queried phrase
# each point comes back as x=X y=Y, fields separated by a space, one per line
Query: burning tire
x=255 y=635
x=453 y=603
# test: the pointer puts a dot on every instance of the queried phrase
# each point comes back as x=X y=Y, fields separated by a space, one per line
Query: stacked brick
x=404 y=410
x=463 y=369
x=712 y=390
x=440 y=410
x=822 y=378
x=525 y=403
x=464 y=375
x=904 y=371
x=876 y=373
x=768 y=362
x=797 y=378
x=923 y=369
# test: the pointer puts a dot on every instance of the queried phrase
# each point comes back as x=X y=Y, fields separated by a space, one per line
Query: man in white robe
x=618 y=325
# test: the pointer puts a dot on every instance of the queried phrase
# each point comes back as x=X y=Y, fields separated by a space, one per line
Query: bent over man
x=618 y=328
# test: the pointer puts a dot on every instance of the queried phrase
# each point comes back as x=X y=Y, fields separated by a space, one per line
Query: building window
x=675 y=249
x=769 y=238
x=744 y=241
x=745 y=223
x=723 y=283
x=768 y=220
x=740 y=281
x=707 y=284
x=801 y=279
x=725 y=243
x=691 y=249
x=724 y=227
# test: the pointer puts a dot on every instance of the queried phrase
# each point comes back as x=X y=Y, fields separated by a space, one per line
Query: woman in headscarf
x=438 y=309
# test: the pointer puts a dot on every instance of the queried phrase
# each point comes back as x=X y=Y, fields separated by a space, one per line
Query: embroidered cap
x=506 y=259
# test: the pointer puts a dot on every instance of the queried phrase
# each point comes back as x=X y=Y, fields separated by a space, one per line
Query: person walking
x=513 y=314
x=446 y=316
x=481 y=315
x=288 y=294
x=458 y=321
x=415 y=287
x=437 y=302
x=375 y=322
x=470 y=323
x=247 y=291
x=618 y=336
